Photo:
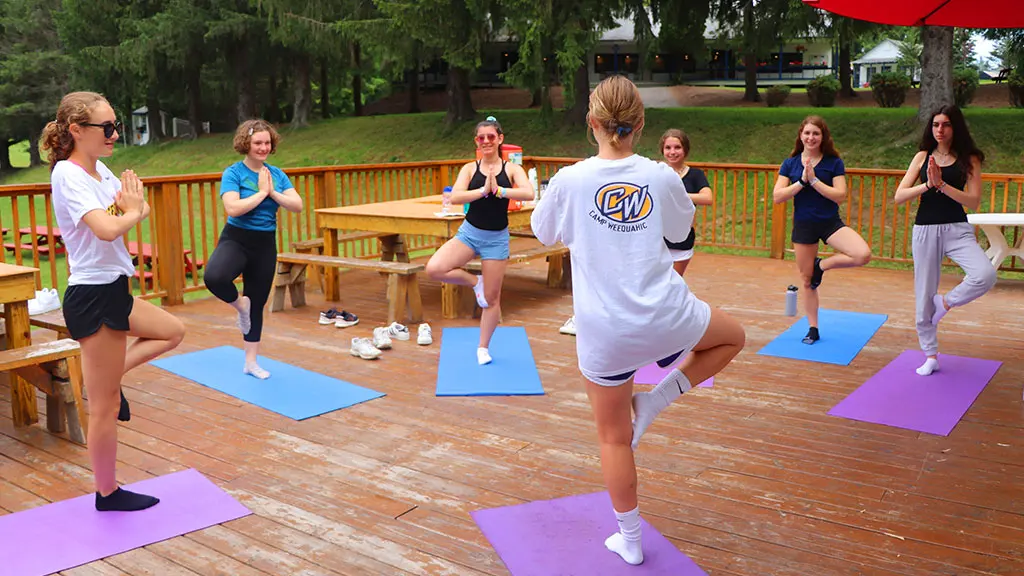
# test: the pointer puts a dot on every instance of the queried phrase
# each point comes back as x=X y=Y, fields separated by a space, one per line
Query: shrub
x=822 y=91
x=776 y=95
x=890 y=88
x=1016 y=84
x=965 y=83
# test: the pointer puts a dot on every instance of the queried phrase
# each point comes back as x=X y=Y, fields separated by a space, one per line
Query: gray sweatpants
x=931 y=244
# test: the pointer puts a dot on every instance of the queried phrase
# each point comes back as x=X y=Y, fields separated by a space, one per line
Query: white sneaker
x=424 y=336
x=569 y=327
x=478 y=290
x=483 y=356
x=45 y=301
x=363 y=348
x=398 y=331
x=381 y=340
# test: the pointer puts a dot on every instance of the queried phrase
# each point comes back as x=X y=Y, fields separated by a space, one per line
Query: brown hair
x=828 y=147
x=618 y=109
x=74 y=108
x=243 y=135
x=678 y=135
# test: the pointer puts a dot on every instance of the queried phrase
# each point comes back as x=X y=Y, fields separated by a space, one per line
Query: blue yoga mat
x=843 y=335
x=290 y=391
x=511 y=372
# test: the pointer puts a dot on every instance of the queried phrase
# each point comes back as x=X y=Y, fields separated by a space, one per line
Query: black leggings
x=252 y=254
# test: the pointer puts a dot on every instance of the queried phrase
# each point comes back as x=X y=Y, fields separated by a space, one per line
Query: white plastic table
x=998 y=248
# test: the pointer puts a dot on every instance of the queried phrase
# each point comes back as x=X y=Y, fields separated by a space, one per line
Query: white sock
x=255 y=371
x=930 y=365
x=483 y=356
x=626 y=542
x=647 y=405
x=940 y=309
x=244 y=323
x=478 y=289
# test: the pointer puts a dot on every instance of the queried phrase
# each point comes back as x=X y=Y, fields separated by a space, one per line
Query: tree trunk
x=936 y=70
x=303 y=93
x=750 y=93
x=845 y=75
x=273 y=113
x=357 y=81
x=194 y=84
x=33 y=150
x=5 y=155
x=535 y=98
x=246 y=105
x=154 y=122
x=577 y=115
x=325 y=91
x=414 y=80
x=460 y=101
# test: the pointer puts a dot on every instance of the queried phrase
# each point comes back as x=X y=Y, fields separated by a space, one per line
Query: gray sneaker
x=363 y=348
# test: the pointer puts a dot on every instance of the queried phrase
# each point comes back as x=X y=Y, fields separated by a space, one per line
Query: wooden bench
x=56 y=369
x=316 y=246
x=1003 y=75
x=559 y=272
x=403 y=285
x=52 y=320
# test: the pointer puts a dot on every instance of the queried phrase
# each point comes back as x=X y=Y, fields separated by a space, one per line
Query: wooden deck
x=751 y=477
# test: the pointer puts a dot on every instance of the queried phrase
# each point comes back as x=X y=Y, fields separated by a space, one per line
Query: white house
x=882 y=58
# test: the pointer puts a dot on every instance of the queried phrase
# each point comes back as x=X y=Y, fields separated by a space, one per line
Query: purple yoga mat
x=565 y=537
x=898 y=396
x=70 y=533
x=653 y=374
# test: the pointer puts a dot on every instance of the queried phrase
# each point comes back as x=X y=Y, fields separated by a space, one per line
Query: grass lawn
x=866 y=137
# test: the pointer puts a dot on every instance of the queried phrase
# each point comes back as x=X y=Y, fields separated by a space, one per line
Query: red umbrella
x=959 y=13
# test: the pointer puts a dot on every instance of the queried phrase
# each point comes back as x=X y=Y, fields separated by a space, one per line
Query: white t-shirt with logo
x=75 y=194
x=631 y=307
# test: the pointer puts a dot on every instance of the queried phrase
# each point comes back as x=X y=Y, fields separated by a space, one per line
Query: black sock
x=125 y=413
x=812 y=336
x=124 y=501
x=817 y=274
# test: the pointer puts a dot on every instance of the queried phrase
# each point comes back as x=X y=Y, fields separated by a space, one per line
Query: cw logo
x=624 y=203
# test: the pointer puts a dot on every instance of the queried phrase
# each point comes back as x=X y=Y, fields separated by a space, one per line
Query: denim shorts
x=487 y=244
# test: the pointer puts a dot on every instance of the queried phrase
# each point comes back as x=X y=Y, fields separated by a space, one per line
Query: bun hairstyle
x=74 y=108
x=243 y=135
x=616 y=106
x=492 y=122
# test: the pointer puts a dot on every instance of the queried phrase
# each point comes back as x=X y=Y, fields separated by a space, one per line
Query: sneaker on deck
x=424 y=336
x=345 y=319
x=569 y=327
x=381 y=339
x=398 y=331
x=329 y=317
x=363 y=348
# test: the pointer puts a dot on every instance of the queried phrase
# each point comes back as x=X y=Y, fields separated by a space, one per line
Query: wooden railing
x=187 y=216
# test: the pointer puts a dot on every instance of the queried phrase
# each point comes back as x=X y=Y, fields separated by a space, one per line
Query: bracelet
x=815 y=181
x=802 y=183
x=500 y=193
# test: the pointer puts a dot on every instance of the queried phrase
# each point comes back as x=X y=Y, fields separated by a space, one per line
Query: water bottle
x=791 y=301
x=446 y=199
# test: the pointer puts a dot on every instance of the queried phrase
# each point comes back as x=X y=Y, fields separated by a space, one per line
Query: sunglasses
x=486 y=138
x=108 y=127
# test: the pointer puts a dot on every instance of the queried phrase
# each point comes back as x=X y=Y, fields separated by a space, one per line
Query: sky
x=983 y=47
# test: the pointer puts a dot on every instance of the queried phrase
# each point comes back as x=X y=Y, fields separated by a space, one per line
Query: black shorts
x=811 y=231
x=685 y=244
x=87 y=307
x=663 y=363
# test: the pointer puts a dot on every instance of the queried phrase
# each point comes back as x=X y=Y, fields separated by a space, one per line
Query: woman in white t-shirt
x=94 y=209
x=614 y=212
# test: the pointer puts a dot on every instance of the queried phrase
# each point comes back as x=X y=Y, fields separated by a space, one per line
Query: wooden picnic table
x=17 y=287
x=413 y=216
x=42 y=234
x=147 y=251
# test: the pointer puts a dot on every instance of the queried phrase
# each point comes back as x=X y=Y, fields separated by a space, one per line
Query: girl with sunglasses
x=94 y=210
x=614 y=212
x=486 y=185
x=251 y=191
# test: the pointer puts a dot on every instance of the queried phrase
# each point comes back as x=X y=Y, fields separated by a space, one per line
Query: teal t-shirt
x=239 y=178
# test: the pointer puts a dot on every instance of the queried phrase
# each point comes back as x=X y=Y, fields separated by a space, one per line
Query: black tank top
x=489 y=212
x=936 y=207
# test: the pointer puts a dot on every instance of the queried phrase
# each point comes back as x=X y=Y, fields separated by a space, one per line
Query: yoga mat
x=898 y=396
x=62 y=535
x=843 y=335
x=511 y=372
x=653 y=374
x=290 y=391
x=566 y=537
